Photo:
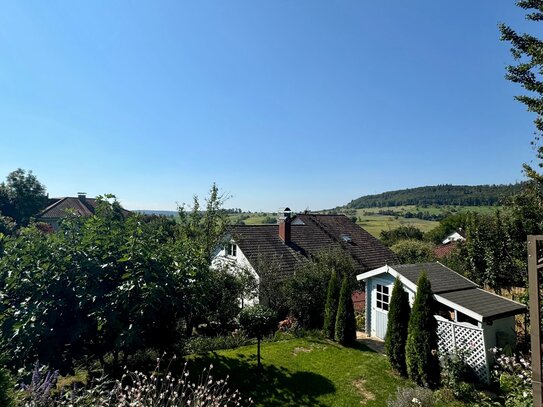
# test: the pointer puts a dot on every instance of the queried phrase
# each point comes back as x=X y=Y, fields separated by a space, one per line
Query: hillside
x=466 y=195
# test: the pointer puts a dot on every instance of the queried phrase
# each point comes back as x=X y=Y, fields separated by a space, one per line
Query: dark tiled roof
x=442 y=278
x=452 y=286
x=58 y=206
x=488 y=305
x=319 y=232
x=365 y=249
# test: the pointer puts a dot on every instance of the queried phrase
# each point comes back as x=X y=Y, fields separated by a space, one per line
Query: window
x=231 y=249
x=383 y=297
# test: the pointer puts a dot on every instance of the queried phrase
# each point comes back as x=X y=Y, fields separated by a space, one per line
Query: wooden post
x=535 y=321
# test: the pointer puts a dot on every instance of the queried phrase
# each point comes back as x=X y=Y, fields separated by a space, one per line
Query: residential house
x=295 y=239
x=57 y=209
x=468 y=317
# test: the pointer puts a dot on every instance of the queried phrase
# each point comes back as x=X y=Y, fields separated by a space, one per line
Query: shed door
x=381 y=299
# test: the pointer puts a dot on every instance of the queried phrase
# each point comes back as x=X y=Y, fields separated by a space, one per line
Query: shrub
x=455 y=373
x=6 y=388
x=412 y=397
x=421 y=346
x=330 y=309
x=203 y=344
x=411 y=251
x=360 y=317
x=396 y=337
x=345 y=322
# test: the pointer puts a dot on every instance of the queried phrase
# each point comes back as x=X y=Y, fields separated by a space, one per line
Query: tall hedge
x=345 y=332
x=330 y=310
x=398 y=319
x=421 y=347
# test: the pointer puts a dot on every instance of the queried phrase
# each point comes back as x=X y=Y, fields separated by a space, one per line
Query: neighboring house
x=59 y=207
x=468 y=317
x=458 y=235
x=296 y=239
x=445 y=250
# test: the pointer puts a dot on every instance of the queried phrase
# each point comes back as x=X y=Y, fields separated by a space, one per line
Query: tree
x=330 y=309
x=205 y=228
x=345 y=332
x=393 y=236
x=22 y=196
x=421 y=345
x=258 y=321
x=396 y=337
x=306 y=290
x=413 y=251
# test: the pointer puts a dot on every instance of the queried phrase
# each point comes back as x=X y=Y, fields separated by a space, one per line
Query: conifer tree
x=421 y=346
x=396 y=337
x=330 y=310
x=345 y=320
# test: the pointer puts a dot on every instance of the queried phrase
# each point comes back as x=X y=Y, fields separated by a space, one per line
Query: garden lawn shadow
x=271 y=386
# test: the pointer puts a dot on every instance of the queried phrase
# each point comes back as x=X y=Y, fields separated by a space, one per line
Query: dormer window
x=231 y=249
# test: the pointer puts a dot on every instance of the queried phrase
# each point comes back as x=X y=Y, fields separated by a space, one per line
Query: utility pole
x=535 y=319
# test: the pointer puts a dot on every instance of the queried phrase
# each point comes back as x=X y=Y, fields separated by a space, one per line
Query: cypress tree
x=398 y=318
x=345 y=320
x=421 y=346
x=330 y=310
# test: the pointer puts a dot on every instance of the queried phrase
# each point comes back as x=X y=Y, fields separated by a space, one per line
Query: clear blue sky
x=301 y=103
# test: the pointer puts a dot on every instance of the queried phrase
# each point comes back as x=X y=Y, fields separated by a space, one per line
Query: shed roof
x=452 y=289
x=484 y=303
x=442 y=278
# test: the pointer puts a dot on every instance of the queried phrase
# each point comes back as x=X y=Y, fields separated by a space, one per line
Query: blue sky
x=301 y=103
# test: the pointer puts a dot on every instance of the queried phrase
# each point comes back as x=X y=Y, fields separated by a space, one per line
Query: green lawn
x=305 y=372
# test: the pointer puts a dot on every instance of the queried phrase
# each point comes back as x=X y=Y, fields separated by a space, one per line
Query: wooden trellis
x=454 y=337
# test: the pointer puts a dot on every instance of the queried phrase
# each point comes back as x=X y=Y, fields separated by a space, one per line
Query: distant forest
x=439 y=195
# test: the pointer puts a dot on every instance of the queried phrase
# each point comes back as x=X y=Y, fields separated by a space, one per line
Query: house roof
x=58 y=206
x=310 y=234
x=445 y=249
x=442 y=278
x=453 y=290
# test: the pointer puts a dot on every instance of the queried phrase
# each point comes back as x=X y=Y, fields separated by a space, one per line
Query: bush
x=412 y=397
x=360 y=317
x=258 y=321
x=412 y=251
x=455 y=373
x=6 y=388
x=345 y=322
x=396 y=337
x=330 y=309
x=421 y=346
x=203 y=344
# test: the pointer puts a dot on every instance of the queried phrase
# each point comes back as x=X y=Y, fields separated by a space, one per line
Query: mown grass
x=305 y=372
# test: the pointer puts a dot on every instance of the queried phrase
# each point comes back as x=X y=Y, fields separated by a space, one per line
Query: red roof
x=445 y=249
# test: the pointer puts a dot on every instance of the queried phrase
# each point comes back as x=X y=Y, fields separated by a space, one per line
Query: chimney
x=284 y=226
x=82 y=196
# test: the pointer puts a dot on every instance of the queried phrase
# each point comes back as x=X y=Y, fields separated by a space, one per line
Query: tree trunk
x=259 y=366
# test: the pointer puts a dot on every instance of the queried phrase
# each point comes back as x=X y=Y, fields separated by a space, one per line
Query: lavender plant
x=38 y=392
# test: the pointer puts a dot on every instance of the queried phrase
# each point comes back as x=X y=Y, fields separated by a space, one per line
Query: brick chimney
x=82 y=196
x=284 y=226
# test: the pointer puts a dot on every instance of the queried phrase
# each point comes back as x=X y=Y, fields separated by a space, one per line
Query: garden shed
x=468 y=317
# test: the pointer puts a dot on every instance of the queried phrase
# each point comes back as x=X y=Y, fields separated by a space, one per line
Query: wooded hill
x=466 y=195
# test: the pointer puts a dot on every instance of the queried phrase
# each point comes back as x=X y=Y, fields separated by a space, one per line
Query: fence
x=453 y=336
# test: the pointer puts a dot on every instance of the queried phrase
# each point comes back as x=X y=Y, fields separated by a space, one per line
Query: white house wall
x=234 y=264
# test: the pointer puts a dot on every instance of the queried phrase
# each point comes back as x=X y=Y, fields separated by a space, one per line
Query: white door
x=380 y=301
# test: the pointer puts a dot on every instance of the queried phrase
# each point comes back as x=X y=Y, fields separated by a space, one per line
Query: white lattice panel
x=453 y=336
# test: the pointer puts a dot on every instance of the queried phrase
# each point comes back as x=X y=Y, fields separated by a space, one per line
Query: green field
x=374 y=223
